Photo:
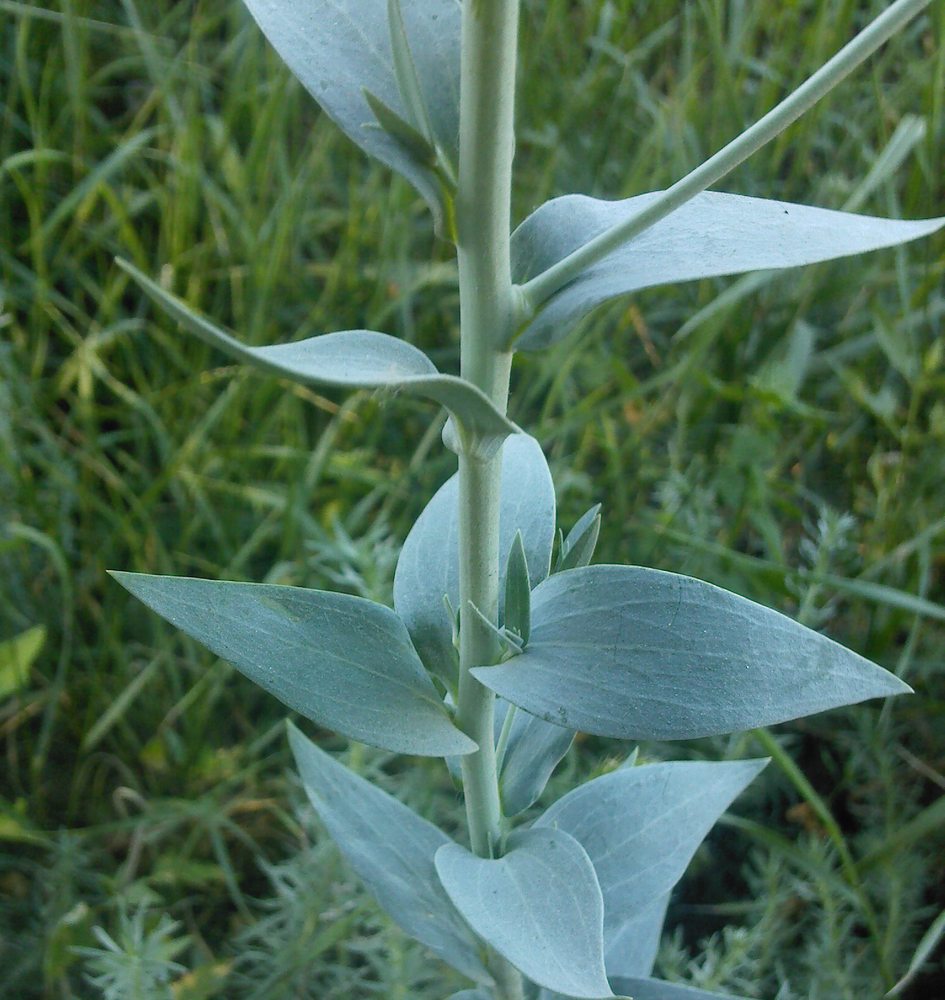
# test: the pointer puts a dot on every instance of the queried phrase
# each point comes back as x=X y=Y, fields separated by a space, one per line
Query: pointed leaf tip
x=638 y=653
x=317 y=652
x=391 y=849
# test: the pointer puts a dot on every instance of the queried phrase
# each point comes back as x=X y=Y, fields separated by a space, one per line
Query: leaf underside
x=340 y=48
x=348 y=359
x=714 y=234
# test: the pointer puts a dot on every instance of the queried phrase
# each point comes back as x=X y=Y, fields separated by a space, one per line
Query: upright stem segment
x=486 y=148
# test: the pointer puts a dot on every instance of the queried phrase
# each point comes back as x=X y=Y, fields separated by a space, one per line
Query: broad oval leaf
x=341 y=661
x=643 y=654
x=539 y=906
x=339 y=49
x=353 y=359
x=391 y=849
x=428 y=567
x=713 y=234
x=641 y=826
x=533 y=751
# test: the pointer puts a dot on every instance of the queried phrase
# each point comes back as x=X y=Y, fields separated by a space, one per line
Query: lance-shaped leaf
x=539 y=906
x=353 y=359
x=577 y=549
x=646 y=655
x=341 y=661
x=713 y=234
x=532 y=752
x=641 y=826
x=631 y=950
x=339 y=49
x=643 y=988
x=428 y=567
x=391 y=849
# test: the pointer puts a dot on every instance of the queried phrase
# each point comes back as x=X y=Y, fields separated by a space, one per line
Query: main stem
x=486 y=147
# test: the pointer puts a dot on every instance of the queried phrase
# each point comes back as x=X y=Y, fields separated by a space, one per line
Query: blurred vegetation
x=781 y=435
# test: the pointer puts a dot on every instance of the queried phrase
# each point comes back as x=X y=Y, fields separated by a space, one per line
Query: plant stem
x=896 y=16
x=483 y=207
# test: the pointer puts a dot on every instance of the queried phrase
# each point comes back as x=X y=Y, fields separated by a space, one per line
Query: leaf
x=340 y=48
x=17 y=656
x=631 y=949
x=711 y=235
x=923 y=951
x=539 y=906
x=518 y=590
x=341 y=661
x=646 y=655
x=348 y=359
x=578 y=548
x=428 y=567
x=650 y=989
x=471 y=995
x=641 y=826
x=656 y=989
x=391 y=849
x=532 y=752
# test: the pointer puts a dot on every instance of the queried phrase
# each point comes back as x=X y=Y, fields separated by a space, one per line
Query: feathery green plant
x=501 y=643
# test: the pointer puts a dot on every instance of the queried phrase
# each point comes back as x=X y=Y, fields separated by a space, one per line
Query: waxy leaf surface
x=391 y=849
x=340 y=48
x=656 y=989
x=631 y=950
x=428 y=566
x=351 y=359
x=539 y=906
x=713 y=234
x=643 y=988
x=646 y=655
x=341 y=661
x=641 y=826
x=533 y=751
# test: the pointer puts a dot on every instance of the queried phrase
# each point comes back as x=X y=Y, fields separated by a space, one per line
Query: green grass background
x=779 y=435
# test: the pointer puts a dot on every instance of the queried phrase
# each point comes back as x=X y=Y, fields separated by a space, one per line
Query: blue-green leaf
x=631 y=949
x=577 y=549
x=641 y=826
x=352 y=359
x=640 y=988
x=428 y=567
x=391 y=849
x=656 y=989
x=518 y=590
x=342 y=661
x=340 y=48
x=646 y=655
x=471 y=995
x=539 y=906
x=713 y=234
x=532 y=752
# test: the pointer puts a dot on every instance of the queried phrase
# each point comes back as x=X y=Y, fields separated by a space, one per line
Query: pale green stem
x=483 y=210
x=489 y=41
x=540 y=288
